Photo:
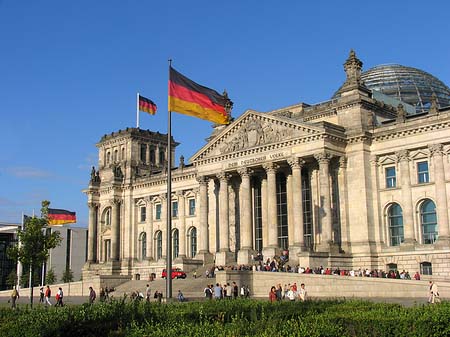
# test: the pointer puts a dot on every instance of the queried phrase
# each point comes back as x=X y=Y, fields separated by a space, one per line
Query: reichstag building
x=359 y=181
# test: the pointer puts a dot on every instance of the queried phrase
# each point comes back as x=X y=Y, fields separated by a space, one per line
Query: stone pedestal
x=224 y=258
x=270 y=252
x=245 y=256
x=206 y=257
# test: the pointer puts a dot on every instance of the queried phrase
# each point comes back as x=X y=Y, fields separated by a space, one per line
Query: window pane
x=390 y=177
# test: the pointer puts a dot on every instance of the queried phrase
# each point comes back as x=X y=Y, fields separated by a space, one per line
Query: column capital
x=296 y=162
x=374 y=160
x=245 y=172
x=93 y=204
x=180 y=194
x=223 y=176
x=270 y=167
x=202 y=180
x=402 y=155
x=343 y=162
x=163 y=196
x=115 y=201
x=323 y=157
x=436 y=149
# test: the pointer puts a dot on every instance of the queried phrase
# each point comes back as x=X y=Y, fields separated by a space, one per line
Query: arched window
x=391 y=266
x=143 y=245
x=108 y=157
x=123 y=154
x=428 y=222
x=176 y=243
x=193 y=242
x=106 y=218
x=158 y=245
x=116 y=155
x=395 y=222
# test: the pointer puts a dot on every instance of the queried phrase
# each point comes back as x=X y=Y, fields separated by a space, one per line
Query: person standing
x=147 y=293
x=302 y=293
x=291 y=294
x=235 y=290
x=41 y=295
x=48 y=294
x=59 y=298
x=92 y=295
x=218 y=292
x=273 y=294
x=180 y=296
x=14 y=297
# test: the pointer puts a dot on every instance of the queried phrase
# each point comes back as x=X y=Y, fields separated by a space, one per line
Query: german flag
x=147 y=105
x=60 y=216
x=190 y=98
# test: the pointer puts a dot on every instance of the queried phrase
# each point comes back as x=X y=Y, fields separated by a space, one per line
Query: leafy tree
x=50 y=278
x=11 y=279
x=67 y=276
x=35 y=243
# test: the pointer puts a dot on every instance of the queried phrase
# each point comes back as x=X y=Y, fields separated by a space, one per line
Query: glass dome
x=407 y=84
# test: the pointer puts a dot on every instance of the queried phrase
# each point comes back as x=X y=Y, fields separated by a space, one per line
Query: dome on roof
x=410 y=85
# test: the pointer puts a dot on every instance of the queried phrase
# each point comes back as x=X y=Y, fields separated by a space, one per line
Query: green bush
x=228 y=318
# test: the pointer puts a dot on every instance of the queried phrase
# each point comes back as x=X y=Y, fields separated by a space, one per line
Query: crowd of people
x=290 y=292
x=226 y=291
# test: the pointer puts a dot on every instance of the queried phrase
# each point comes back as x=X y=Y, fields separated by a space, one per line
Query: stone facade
x=352 y=182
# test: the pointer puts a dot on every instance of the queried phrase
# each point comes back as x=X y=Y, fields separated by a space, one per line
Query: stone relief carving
x=255 y=132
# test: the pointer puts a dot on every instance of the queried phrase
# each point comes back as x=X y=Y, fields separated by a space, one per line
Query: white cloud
x=27 y=172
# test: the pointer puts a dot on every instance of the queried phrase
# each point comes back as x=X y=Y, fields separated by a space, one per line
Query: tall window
x=307 y=210
x=158 y=211
x=175 y=209
x=144 y=152
x=116 y=155
x=282 y=222
x=258 y=215
x=142 y=213
x=193 y=241
x=143 y=244
x=191 y=207
x=152 y=156
x=426 y=268
x=391 y=180
x=107 y=217
x=162 y=158
x=108 y=157
x=395 y=220
x=158 y=239
x=107 y=250
x=123 y=154
x=176 y=243
x=428 y=222
x=422 y=172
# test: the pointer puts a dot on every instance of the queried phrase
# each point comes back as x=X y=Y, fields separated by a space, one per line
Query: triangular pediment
x=252 y=130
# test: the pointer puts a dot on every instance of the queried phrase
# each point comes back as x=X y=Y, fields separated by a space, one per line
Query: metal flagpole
x=169 y=203
x=19 y=264
x=137 y=110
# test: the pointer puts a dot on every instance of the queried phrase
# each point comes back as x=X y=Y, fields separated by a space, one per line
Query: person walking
x=180 y=296
x=48 y=294
x=434 y=293
x=273 y=294
x=147 y=293
x=14 y=297
x=302 y=293
x=92 y=295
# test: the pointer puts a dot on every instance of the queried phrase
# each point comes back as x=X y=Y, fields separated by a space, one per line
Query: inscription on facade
x=256 y=160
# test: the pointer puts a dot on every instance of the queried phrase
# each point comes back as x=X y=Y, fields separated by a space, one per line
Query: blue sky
x=70 y=70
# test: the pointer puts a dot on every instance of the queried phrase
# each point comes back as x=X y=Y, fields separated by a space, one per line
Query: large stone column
x=203 y=239
x=342 y=185
x=297 y=204
x=92 y=232
x=182 y=222
x=149 y=223
x=272 y=222
x=407 y=208
x=441 y=194
x=164 y=203
x=115 y=229
x=245 y=194
x=325 y=201
x=224 y=239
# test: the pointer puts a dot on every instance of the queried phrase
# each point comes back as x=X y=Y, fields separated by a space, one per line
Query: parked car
x=176 y=273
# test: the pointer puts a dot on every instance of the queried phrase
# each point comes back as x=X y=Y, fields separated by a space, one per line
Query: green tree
x=35 y=243
x=11 y=279
x=67 y=276
x=50 y=278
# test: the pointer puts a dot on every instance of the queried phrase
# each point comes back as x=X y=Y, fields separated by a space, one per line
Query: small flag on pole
x=147 y=105
x=190 y=98
x=60 y=216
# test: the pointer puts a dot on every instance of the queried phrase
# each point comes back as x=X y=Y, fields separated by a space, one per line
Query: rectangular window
x=143 y=214
x=422 y=172
x=175 y=209
x=158 y=211
x=391 y=180
x=143 y=153
x=191 y=207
